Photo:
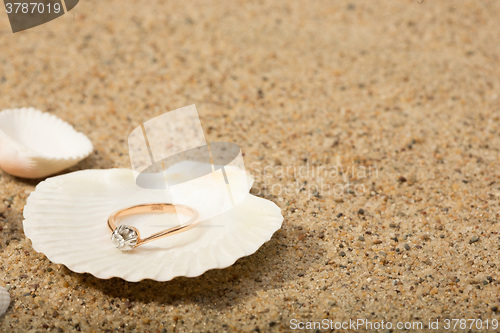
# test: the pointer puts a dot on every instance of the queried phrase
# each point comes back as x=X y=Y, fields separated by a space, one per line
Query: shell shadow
x=96 y=160
x=215 y=289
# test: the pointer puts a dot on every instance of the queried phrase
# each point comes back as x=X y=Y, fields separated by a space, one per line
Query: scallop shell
x=65 y=218
x=4 y=300
x=34 y=144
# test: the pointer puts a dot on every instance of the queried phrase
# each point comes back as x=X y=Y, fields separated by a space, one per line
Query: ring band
x=126 y=238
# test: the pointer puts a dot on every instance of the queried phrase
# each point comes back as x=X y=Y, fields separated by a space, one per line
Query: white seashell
x=65 y=218
x=34 y=144
x=4 y=300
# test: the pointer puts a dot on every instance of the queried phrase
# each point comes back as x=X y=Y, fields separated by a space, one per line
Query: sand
x=375 y=126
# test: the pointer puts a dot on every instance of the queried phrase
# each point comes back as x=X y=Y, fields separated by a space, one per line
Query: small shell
x=34 y=144
x=66 y=219
x=4 y=300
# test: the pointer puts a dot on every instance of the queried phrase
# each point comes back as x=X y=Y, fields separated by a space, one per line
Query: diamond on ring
x=124 y=237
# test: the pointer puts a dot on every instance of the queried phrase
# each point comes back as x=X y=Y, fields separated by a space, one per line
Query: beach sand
x=375 y=126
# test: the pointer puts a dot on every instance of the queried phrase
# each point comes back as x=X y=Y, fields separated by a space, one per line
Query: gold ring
x=126 y=238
